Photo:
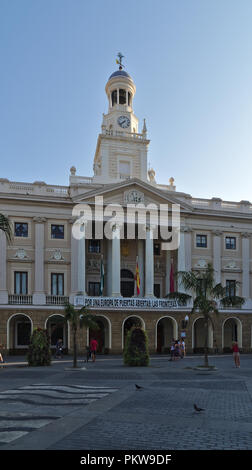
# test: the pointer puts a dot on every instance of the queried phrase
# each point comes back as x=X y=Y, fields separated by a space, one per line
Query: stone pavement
x=97 y=407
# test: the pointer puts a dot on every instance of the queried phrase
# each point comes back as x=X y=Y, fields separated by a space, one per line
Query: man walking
x=93 y=348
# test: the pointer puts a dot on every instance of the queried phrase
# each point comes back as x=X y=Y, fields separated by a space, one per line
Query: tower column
x=3 y=278
x=217 y=256
x=39 y=297
x=245 y=265
x=116 y=262
x=149 y=263
x=81 y=281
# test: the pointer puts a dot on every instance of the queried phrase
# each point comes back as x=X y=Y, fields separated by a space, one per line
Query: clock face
x=123 y=121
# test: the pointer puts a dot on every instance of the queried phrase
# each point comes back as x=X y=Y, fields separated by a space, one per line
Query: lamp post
x=184 y=325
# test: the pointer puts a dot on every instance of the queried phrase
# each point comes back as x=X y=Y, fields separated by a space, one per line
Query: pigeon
x=198 y=409
x=138 y=387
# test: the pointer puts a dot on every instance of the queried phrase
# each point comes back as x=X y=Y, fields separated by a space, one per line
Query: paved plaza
x=98 y=407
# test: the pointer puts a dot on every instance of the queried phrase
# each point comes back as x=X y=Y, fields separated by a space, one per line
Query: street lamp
x=185 y=322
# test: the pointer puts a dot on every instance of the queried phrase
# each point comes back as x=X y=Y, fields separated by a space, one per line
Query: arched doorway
x=131 y=322
x=199 y=335
x=57 y=329
x=19 y=330
x=232 y=331
x=127 y=283
x=102 y=335
x=167 y=329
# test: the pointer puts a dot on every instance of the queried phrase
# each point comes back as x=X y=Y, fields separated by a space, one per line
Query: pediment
x=133 y=191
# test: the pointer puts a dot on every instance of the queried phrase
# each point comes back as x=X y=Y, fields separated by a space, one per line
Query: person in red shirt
x=236 y=354
x=93 y=348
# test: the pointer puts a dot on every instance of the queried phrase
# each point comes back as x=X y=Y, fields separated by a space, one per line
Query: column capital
x=185 y=229
x=217 y=233
x=245 y=235
x=39 y=220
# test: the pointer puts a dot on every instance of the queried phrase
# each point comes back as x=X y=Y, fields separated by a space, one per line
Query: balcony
x=16 y=299
x=56 y=299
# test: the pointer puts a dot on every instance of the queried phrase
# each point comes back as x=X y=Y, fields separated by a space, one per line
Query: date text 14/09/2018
x=148 y=459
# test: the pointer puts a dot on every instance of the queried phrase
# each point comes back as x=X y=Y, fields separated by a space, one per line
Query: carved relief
x=133 y=197
x=21 y=254
x=201 y=264
x=57 y=255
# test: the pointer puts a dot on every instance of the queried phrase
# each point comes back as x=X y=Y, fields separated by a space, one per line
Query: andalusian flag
x=137 y=277
x=102 y=277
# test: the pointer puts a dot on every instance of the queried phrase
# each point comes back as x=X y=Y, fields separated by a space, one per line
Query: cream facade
x=46 y=265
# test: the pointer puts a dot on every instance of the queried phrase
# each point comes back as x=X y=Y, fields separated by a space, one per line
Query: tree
x=6 y=227
x=39 y=353
x=205 y=295
x=78 y=318
x=136 y=349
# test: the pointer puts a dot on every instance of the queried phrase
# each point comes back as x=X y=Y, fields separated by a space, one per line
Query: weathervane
x=119 y=60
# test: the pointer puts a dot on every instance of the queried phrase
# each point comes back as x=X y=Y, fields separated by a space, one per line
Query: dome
x=119 y=73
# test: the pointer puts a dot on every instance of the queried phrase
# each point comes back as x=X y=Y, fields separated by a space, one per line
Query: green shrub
x=136 y=348
x=39 y=353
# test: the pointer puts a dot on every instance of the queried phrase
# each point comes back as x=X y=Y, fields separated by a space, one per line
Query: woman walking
x=236 y=354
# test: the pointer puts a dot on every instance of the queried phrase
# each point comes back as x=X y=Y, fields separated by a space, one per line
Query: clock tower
x=121 y=151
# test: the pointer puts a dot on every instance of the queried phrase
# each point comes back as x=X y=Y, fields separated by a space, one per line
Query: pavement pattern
x=97 y=407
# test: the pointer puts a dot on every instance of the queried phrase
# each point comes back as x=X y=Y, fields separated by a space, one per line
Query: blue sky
x=191 y=61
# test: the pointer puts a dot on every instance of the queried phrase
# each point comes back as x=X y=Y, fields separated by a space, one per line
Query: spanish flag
x=137 y=277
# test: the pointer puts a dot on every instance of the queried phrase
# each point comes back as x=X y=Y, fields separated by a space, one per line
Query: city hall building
x=47 y=265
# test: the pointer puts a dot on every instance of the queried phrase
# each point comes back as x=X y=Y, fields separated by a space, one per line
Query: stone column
x=116 y=262
x=181 y=258
x=245 y=265
x=140 y=253
x=168 y=270
x=217 y=255
x=3 y=271
x=108 y=268
x=39 y=297
x=149 y=263
x=81 y=270
x=74 y=265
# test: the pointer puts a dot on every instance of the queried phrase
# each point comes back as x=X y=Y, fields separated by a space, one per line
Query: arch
x=13 y=333
x=231 y=332
x=63 y=330
x=123 y=326
x=167 y=336
x=198 y=335
x=107 y=333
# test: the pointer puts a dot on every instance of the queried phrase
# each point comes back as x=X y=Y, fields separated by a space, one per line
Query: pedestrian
x=88 y=356
x=236 y=354
x=172 y=350
x=182 y=348
x=1 y=357
x=93 y=348
x=176 y=350
x=59 y=349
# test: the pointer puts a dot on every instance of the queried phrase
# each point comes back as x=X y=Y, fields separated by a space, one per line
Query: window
x=230 y=288
x=122 y=96
x=230 y=243
x=57 y=284
x=129 y=98
x=94 y=246
x=20 y=283
x=124 y=169
x=57 y=231
x=157 y=290
x=157 y=249
x=114 y=97
x=21 y=229
x=201 y=241
x=94 y=289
